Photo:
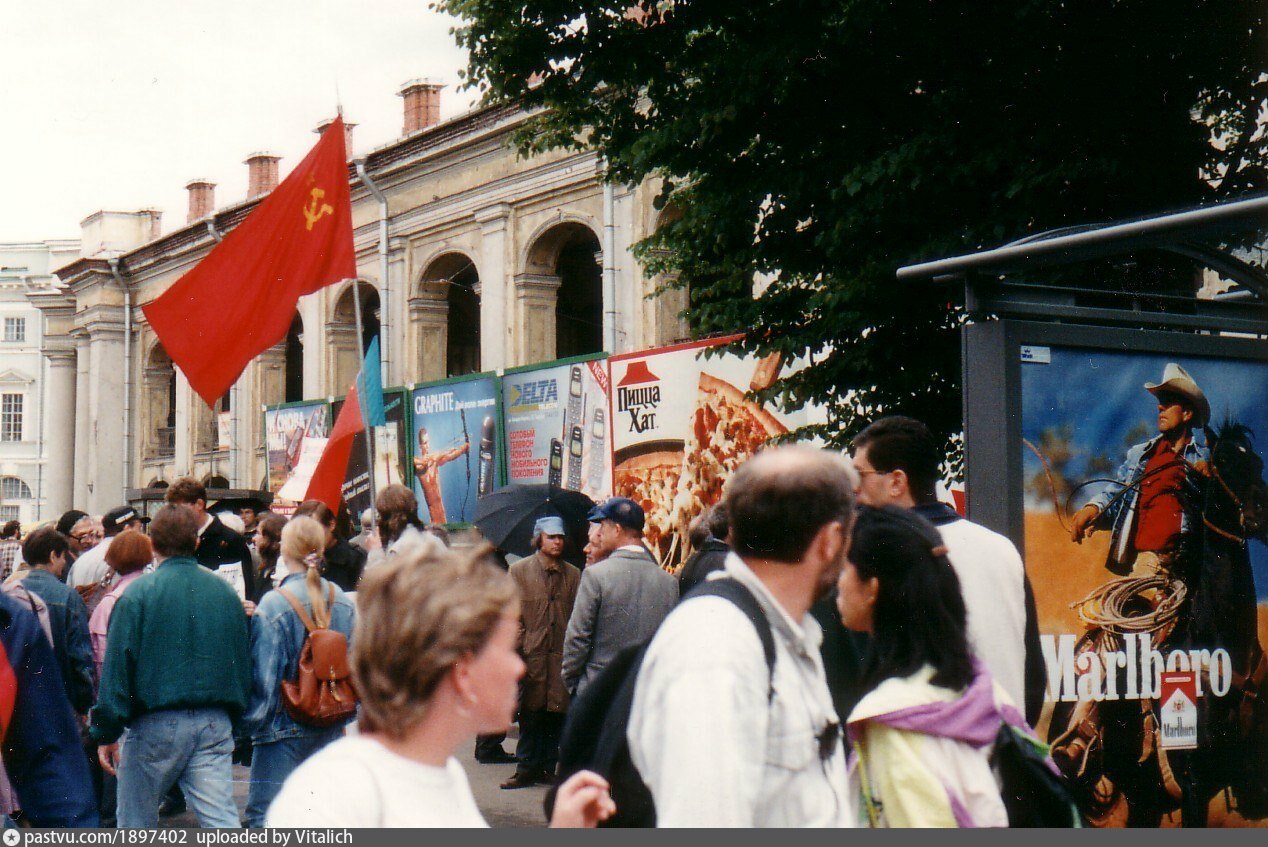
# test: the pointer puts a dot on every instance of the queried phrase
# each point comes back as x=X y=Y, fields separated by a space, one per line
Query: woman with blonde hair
x=435 y=663
x=277 y=636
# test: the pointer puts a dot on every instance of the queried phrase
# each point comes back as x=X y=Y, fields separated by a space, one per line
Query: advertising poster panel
x=1152 y=621
x=556 y=418
x=390 y=449
x=457 y=440
x=680 y=425
x=286 y=429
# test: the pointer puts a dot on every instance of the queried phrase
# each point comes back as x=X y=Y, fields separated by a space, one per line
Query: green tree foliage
x=825 y=144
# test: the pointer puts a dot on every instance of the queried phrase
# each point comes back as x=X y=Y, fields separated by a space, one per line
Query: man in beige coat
x=548 y=588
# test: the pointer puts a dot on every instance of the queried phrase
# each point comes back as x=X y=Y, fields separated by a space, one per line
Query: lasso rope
x=1104 y=606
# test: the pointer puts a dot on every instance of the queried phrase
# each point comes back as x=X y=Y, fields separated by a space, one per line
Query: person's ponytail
x=304 y=541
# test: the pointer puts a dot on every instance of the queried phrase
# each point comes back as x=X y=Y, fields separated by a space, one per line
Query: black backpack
x=594 y=735
x=1033 y=794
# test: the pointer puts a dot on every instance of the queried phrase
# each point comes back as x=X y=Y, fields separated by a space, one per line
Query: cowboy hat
x=1176 y=380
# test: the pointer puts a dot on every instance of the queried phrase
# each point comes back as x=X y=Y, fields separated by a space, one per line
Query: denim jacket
x=277 y=634
x=1120 y=515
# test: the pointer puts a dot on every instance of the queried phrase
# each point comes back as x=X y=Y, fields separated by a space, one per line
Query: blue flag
x=370 y=388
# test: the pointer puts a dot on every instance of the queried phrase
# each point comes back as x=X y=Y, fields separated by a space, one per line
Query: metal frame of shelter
x=1009 y=312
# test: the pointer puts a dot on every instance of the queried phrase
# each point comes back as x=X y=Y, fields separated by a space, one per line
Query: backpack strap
x=299 y=610
x=739 y=595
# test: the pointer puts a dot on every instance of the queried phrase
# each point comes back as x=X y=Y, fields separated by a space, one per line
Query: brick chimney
x=347 y=133
x=261 y=173
x=202 y=199
x=422 y=104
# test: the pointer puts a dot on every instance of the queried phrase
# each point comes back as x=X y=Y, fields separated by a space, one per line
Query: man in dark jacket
x=548 y=589
x=178 y=675
x=45 y=551
x=218 y=546
x=42 y=752
x=710 y=556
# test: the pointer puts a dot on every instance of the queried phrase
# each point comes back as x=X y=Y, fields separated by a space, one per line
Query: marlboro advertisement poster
x=456 y=442
x=286 y=430
x=680 y=425
x=1145 y=518
x=390 y=444
x=557 y=426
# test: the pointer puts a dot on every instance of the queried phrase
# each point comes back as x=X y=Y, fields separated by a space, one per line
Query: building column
x=536 y=298
x=396 y=370
x=59 y=433
x=629 y=276
x=105 y=387
x=495 y=328
x=79 y=457
x=184 y=425
x=429 y=315
x=270 y=389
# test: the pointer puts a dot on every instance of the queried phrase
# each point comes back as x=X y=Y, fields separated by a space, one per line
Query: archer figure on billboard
x=1180 y=513
x=427 y=470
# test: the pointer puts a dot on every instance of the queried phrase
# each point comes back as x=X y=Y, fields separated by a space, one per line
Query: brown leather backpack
x=322 y=693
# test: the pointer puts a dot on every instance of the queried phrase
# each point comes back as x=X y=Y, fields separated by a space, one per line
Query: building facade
x=470 y=258
x=25 y=269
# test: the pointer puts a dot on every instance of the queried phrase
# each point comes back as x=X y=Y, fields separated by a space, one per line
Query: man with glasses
x=721 y=737
x=90 y=569
x=898 y=461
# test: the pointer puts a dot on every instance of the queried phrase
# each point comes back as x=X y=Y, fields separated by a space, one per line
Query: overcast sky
x=117 y=105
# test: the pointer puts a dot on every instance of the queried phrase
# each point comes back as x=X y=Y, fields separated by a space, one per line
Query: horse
x=1109 y=750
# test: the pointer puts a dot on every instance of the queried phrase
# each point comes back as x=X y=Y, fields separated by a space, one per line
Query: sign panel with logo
x=681 y=423
x=457 y=446
x=286 y=429
x=557 y=427
x=1142 y=504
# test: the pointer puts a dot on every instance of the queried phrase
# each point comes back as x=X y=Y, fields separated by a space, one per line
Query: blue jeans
x=192 y=747
x=273 y=762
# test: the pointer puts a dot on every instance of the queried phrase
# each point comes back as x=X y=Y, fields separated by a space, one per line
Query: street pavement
x=519 y=808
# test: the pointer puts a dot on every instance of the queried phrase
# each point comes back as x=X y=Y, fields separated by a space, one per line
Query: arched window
x=294 y=367
x=13 y=488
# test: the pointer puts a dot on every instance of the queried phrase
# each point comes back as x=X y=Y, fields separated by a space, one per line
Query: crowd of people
x=869 y=645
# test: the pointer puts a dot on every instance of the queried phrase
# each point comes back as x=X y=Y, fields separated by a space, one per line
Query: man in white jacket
x=897 y=460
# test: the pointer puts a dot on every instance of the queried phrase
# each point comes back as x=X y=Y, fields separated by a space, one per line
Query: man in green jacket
x=177 y=674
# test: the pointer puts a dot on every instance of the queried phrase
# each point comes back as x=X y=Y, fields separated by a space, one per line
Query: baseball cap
x=114 y=519
x=620 y=510
x=549 y=525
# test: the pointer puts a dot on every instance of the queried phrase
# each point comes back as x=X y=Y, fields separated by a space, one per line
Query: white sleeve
x=698 y=728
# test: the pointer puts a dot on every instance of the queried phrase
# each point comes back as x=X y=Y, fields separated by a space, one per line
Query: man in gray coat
x=621 y=600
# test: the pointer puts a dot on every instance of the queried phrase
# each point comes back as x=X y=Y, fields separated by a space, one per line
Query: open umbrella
x=506 y=516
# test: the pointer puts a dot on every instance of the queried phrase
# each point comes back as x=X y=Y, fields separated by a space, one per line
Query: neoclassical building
x=470 y=258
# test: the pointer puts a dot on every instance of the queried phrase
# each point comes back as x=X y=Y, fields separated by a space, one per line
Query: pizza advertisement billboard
x=390 y=446
x=456 y=438
x=293 y=434
x=1143 y=501
x=681 y=424
x=556 y=425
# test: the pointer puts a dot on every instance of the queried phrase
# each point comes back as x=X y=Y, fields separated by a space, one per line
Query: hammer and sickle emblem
x=315 y=209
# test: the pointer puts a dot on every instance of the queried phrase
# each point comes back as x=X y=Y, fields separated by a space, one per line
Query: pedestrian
x=548 y=588
x=710 y=555
x=10 y=548
x=129 y=552
x=360 y=540
x=90 y=573
x=282 y=743
x=43 y=756
x=620 y=601
x=399 y=526
x=250 y=521
x=45 y=551
x=435 y=662
x=897 y=460
x=219 y=548
x=593 y=550
x=342 y=563
x=721 y=736
x=177 y=675
x=268 y=545
x=923 y=734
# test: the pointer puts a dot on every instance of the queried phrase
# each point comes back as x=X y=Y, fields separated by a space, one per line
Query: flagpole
x=369 y=430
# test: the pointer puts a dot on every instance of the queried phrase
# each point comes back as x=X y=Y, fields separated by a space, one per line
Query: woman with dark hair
x=342 y=563
x=399 y=526
x=923 y=733
x=268 y=543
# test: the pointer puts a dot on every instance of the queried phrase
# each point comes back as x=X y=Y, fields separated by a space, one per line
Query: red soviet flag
x=240 y=300
x=327 y=481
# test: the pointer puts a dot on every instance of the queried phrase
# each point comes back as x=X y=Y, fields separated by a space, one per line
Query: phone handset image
x=598 y=455
x=574 y=459
x=556 y=477
x=487 y=456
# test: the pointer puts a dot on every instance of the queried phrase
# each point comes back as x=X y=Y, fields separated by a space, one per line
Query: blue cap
x=619 y=510
x=549 y=525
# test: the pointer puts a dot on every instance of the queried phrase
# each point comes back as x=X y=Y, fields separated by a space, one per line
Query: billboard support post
x=369 y=430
